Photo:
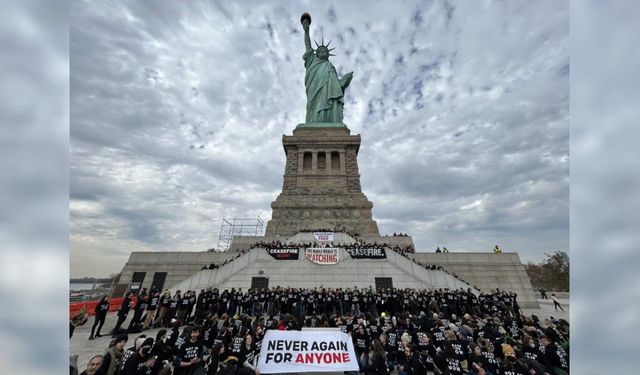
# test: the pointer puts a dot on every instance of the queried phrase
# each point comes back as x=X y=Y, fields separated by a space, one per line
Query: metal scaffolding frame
x=232 y=227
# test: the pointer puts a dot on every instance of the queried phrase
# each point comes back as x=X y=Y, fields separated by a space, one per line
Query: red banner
x=114 y=305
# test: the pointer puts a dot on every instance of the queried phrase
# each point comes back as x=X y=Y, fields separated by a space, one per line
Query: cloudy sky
x=178 y=108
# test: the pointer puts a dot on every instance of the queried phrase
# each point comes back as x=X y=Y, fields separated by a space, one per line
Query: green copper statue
x=325 y=92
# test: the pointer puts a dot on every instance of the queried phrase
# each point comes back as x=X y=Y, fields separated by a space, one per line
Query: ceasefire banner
x=323 y=236
x=284 y=253
x=322 y=255
x=367 y=253
x=306 y=351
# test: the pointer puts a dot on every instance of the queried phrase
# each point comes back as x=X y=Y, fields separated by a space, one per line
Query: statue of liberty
x=325 y=91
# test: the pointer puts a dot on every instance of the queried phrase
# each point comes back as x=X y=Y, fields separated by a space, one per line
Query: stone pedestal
x=321 y=188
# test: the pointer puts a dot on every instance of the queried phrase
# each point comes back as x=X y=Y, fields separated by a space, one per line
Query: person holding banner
x=248 y=357
x=361 y=343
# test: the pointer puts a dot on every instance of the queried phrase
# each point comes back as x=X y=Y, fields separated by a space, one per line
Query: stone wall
x=321 y=195
x=486 y=271
x=302 y=273
x=178 y=265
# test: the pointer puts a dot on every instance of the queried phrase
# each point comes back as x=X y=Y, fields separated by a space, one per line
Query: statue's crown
x=321 y=45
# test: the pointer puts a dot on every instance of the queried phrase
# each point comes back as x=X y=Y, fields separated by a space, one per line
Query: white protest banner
x=308 y=351
x=323 y=236
x=322 y=255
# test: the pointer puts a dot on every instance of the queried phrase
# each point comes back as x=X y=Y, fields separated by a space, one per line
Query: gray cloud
x=177 y=114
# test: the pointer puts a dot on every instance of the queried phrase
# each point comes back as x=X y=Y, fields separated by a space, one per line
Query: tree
x=114 y=277
x=552 y=273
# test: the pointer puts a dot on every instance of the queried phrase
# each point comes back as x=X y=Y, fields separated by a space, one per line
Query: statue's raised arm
x=325 y=91
x=306 y=21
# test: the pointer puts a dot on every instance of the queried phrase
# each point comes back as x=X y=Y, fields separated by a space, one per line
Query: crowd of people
x=359 y=244
x=411 y=331
x=214 y=266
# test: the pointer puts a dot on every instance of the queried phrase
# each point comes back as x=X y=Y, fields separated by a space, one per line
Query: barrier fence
x=114 y=305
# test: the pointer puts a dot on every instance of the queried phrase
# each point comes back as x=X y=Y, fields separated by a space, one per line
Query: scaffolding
x=232 y=227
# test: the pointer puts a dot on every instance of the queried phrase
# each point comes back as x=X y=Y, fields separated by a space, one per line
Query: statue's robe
x=325 y=96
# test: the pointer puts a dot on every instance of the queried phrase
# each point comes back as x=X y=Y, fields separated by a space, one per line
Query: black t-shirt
x=555 y=356
x=373 y=330
x=162 y=352
x=225 y=339
x=491 y=359
x=132 y=363
x=173 y=303
x=184 y=303
x=236 y=346
x=453 y=366
x=513 y=369
x=479 y=359
x=414 y=366
x=153 y=303
x=533 y=354
x=438 y=337
x=248 y=355
x=124 y=308
x=141 y=306
x=361 y=342
x=392 y=340
x=164 y=301
x=422 y=340
x=459 y=349
x=102 y=308
x=189 y=351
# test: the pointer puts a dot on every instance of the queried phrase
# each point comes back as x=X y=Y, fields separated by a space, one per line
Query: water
x=82 y=286
x=83 y=291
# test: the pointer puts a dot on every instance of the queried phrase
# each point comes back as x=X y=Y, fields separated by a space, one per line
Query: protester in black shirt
x=122 y=313
x=136 y=360
x=183 y=304
x=224 y=335
x=184 y=337
x=161 y=351
x=488 y=352
x=171 y=311
x=173 y=335
x=152 y=304
x=449 y=361
x=411 y=365
x=531 y=351
x=164 y=306
x=100 y=314
x=189 y=360
x=248 y=357
x=426 y=349
x=378 y=360
x=510 y=364
x=555 y=358
x=543 y=293
x=476 y=357
x=361 y=343
x=141 y=306
x=216 y=359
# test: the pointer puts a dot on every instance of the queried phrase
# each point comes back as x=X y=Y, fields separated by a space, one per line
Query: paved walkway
x=85 y=348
